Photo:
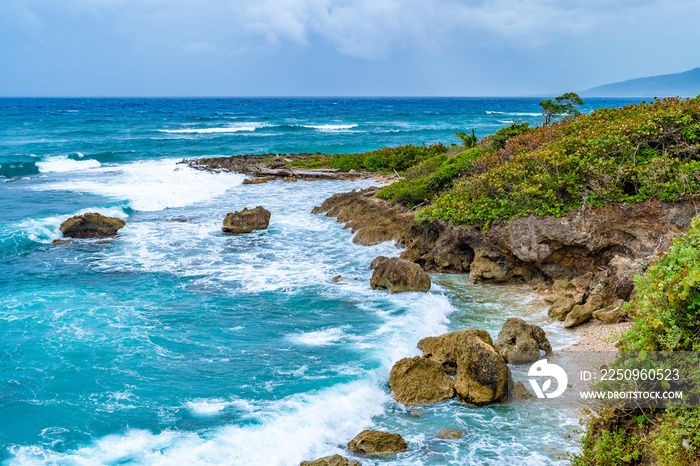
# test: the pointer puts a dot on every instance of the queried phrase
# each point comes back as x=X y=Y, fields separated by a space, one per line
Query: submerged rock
x=449 y=434
x=335 y=460
x=246 y=220
x=91 y=225
x=519 y=342
x=416 y=381
x=257 y=180
x=398 y=275
x=374 y=442
x=481 y=372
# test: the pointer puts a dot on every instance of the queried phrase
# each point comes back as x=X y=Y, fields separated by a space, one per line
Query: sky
x=339 y=47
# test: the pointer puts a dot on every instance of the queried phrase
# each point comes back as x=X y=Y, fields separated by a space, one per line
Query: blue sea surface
x=173 y=343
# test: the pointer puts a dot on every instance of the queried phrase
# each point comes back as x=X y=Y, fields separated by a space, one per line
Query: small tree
x=562 y=106
x=468 y=140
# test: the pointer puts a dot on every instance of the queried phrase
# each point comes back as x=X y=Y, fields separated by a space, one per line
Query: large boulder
x=374 y=442
x=519 y=342
x=246 y=220
x=91 y=225
x=335 y=460
x=481 y=373
x=416 y=381
x=398 y=275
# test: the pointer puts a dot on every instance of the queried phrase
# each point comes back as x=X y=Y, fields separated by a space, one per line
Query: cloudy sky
x=338 y=47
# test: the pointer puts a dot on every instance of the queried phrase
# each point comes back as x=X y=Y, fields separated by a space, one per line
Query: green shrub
x=615 y=155
x=666 y=312
x=429 y=178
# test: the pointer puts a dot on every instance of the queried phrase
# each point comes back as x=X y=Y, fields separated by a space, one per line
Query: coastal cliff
x=589 y=256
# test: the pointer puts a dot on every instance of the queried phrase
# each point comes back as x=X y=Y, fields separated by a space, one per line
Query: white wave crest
x=62 y=164
x=225 y=129
x=331 y=128
x=298 y=428
x=152 y=185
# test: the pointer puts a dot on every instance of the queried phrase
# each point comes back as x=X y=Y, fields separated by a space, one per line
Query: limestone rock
x=481 y=373
x=398 y=275
x=335 y=460
x=415 y=381
x=246 y=220
x=519 y=342
x=520 y=392
x=256 y=180
x=448 y=348
x=561 y=307
x=374 y=442
x=91 y=225
x=449 y=434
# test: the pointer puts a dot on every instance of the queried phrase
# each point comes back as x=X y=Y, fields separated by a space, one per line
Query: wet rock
x=58 y=242
x=520 y=392
x=257 y=180
x=415 y=414
x=374 y=442
x=91 y=225
x=481 y=374
x=449 y=434
x=398 y=275
x=337 y=278
x=290 y=179
x=335 y=460
x=519 y=342
x=416 y=381
x=246 y=220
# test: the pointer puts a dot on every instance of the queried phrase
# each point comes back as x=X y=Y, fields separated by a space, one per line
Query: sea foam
x=151 y=185
x=62 y=164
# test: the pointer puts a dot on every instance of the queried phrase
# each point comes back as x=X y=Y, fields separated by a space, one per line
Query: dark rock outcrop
x=91 y=225
x=398 y=275
x=519 y=342
x=416 y=381
x=246 y=220
x=374 y=442
x=481 y=374
x=335 y=460
x=594 y=253
x=257 y=180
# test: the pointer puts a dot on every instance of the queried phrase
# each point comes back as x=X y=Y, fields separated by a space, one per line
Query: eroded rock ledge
x=591 y=255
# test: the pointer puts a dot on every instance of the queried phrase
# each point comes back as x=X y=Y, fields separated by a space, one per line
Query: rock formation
x=398 y=275
x=449 y=434
x=335 y=460
x=246 y=220
x=481 y=374
x=374 y=442
x=415 y=381
x=91 y=225
x=519 y=342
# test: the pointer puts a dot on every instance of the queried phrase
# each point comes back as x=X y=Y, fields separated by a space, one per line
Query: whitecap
x=152 y=185
x=318 y=337
x=222 y=129
x=62 y=164
x=331 y=128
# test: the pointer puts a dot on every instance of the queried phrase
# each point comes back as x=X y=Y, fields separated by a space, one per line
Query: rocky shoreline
x=583 y=264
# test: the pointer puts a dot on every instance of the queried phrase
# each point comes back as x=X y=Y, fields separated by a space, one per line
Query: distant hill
x=682 y=84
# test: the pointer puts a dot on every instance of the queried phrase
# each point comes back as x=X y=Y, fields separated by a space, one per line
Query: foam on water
x=287 y=432
x=62 y=164
x=222 y=129
x=331 y=128
x=151 y=185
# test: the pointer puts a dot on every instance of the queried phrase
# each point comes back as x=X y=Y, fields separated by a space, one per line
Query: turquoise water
x=175 y=344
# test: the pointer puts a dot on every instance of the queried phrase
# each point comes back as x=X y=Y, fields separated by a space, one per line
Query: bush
x=429 y=178
x=666 y=312
x=385 y=160
x=617 y=155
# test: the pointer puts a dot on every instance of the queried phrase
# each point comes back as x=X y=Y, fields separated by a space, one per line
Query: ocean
x=176 y=344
